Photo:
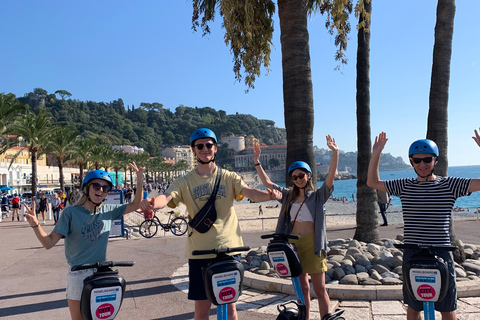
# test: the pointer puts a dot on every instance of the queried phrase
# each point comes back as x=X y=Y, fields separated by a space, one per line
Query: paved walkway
x=33 y=280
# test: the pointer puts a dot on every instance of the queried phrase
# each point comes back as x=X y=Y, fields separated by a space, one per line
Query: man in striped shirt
x=427 y=204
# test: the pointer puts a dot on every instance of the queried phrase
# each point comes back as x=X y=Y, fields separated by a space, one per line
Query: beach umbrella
x=6 y=188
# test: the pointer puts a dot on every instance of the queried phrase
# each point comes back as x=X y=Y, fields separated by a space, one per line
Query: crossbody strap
x=217 y=183
x=293 y=225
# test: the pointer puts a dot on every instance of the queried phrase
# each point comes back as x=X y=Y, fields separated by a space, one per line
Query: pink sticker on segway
x=426 y=291
x=282 y=269
x=105 y=311
x=227 y=294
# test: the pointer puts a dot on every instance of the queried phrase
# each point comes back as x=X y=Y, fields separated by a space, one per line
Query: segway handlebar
x=220 y=250
x=424 y=247
x=104 y=264
x=280 y=236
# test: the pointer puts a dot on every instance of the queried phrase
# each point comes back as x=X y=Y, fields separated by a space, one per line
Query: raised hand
x=274 y=194
x=138 y=170
x=31 y=216
x=380 y=142
x=256 y=153
x=477 y=137
x=331 y=144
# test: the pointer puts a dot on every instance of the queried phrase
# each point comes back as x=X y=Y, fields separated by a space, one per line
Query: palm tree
x=10 y=109
x=249 y=29
x=367 y=229
x=118 y=163
x=438 y=101
x=36 y=130
x=82 y=154
x=62 y=145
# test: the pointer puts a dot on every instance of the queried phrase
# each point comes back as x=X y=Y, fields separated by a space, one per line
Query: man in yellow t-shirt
x=194 y=190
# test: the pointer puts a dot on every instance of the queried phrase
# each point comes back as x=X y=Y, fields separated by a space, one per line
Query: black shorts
x=449 y=303
x=196 y=283
x=16 y=205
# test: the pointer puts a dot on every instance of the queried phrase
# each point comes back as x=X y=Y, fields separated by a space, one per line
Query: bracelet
x=258 y=164
x=35 y=226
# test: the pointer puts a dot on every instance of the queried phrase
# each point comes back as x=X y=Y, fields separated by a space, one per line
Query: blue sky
x=145 y=51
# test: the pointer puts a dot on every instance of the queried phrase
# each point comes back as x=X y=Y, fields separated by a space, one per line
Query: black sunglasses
x=208 y=145
x=300 y=176
x=98 y=186
x=419 y=160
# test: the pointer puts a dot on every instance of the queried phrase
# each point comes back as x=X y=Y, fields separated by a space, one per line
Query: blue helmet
x=97 y=174
x=423 y=146
x=299 y=165
x=202 y=133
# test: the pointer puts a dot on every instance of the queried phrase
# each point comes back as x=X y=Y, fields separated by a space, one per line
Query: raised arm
x=135 y=204
x=475 y=185
x=258 y=166
x=332 y=170
x=373 y=177
x=47 y=240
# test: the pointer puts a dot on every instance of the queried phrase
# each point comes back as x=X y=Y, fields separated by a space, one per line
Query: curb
x=470 y=288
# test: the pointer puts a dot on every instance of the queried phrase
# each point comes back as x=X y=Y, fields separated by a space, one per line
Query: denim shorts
x=75 y=283
x=196 y=283
x=449 y=303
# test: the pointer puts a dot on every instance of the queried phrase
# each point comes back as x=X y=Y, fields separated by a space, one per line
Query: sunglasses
x=419 y=160
x=98 y=186
x=300 y=176
x=208 y=145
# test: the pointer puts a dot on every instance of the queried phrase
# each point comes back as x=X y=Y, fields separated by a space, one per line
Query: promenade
x=33 y=280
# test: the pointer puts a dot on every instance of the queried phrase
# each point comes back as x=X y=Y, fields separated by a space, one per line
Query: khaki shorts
x=311 y=263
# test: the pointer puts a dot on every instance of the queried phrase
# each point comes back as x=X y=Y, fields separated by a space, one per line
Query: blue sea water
x=345 y=188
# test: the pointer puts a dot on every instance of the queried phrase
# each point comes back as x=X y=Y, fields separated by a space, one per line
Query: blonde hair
x=78 y=197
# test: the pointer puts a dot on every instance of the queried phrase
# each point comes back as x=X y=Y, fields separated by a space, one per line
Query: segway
x=223 y=278
x=103 y=292
x=284 y=259
x=426 y=276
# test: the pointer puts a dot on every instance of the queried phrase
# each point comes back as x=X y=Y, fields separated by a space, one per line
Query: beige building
x=244 y=158
x=178 y=153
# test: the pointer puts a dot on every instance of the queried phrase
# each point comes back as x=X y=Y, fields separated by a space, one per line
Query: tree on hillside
x=62 y=145
x=366 y=216
x=82 y=155
x=36 y=130
x=63 y=94
x=249 y=29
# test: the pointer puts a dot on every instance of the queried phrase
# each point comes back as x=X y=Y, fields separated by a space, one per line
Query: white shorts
x=75 y=283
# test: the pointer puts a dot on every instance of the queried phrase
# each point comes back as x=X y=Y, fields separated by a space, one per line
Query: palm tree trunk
x=34 y=172
x=60 y=168
x=367 y=226
x=80 y=178
x=297 y=83
x=438 y=101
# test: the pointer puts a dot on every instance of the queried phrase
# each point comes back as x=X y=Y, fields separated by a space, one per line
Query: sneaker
x=384 y=225
x=43 y=222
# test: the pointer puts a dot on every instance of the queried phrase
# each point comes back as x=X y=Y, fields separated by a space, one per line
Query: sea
x=345 y=188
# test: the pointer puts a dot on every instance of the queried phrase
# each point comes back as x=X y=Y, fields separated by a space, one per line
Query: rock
x=336 y=264
x=363 y=262
x=373 y=248
x=391 y=281
x=337 y=252
x=329 y=273
x=460 y=273
x=470 y=246
x=327 y=278
x=398 y=270
x=389 y=275
x=375 y=275
x=360 y=256
x=349 y=270
x=354 y=244
x=337 y=258
x=380 y=268
x=389 y=243
x=360 y=269
x=468 y=253
x=264 y=265
x=472 y=267
x=338 y=274
x=346 y=262
x=399 y=237
x=362 y=276
x=370 y=282
x=349 y=279
x=263 y=272
x=352 y=251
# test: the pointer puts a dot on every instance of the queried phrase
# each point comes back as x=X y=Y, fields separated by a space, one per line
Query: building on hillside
x=235 y=143
x=244 y=158
x=178 y=153
x=129 y=149
x=250 y=141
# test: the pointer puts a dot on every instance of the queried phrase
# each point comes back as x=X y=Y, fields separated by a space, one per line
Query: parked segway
x=103 y=291
x=284 y=259
x=426 y=276
x=223 y=278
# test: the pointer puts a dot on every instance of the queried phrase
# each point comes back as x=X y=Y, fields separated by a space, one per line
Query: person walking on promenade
x=56 y=207
x=427 y=203
x=43 y=206
x=15 y=207
x=194 y=190
x=85 y=225
x=302 y=214
x=382 y=200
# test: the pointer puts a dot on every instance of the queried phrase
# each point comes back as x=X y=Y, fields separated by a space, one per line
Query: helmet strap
x=207 y=162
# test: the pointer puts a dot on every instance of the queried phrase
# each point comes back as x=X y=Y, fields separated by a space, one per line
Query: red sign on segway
x=105 y=311
x=282 y=269
x=227 y=294
x=426 y=292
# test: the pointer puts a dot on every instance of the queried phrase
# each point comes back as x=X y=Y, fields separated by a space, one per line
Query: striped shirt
x=427 y=207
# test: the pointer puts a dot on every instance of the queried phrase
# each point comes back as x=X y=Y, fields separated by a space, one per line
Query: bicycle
x=103 y=292
x=178 y=225
x=426 y=275
x=223 y=278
